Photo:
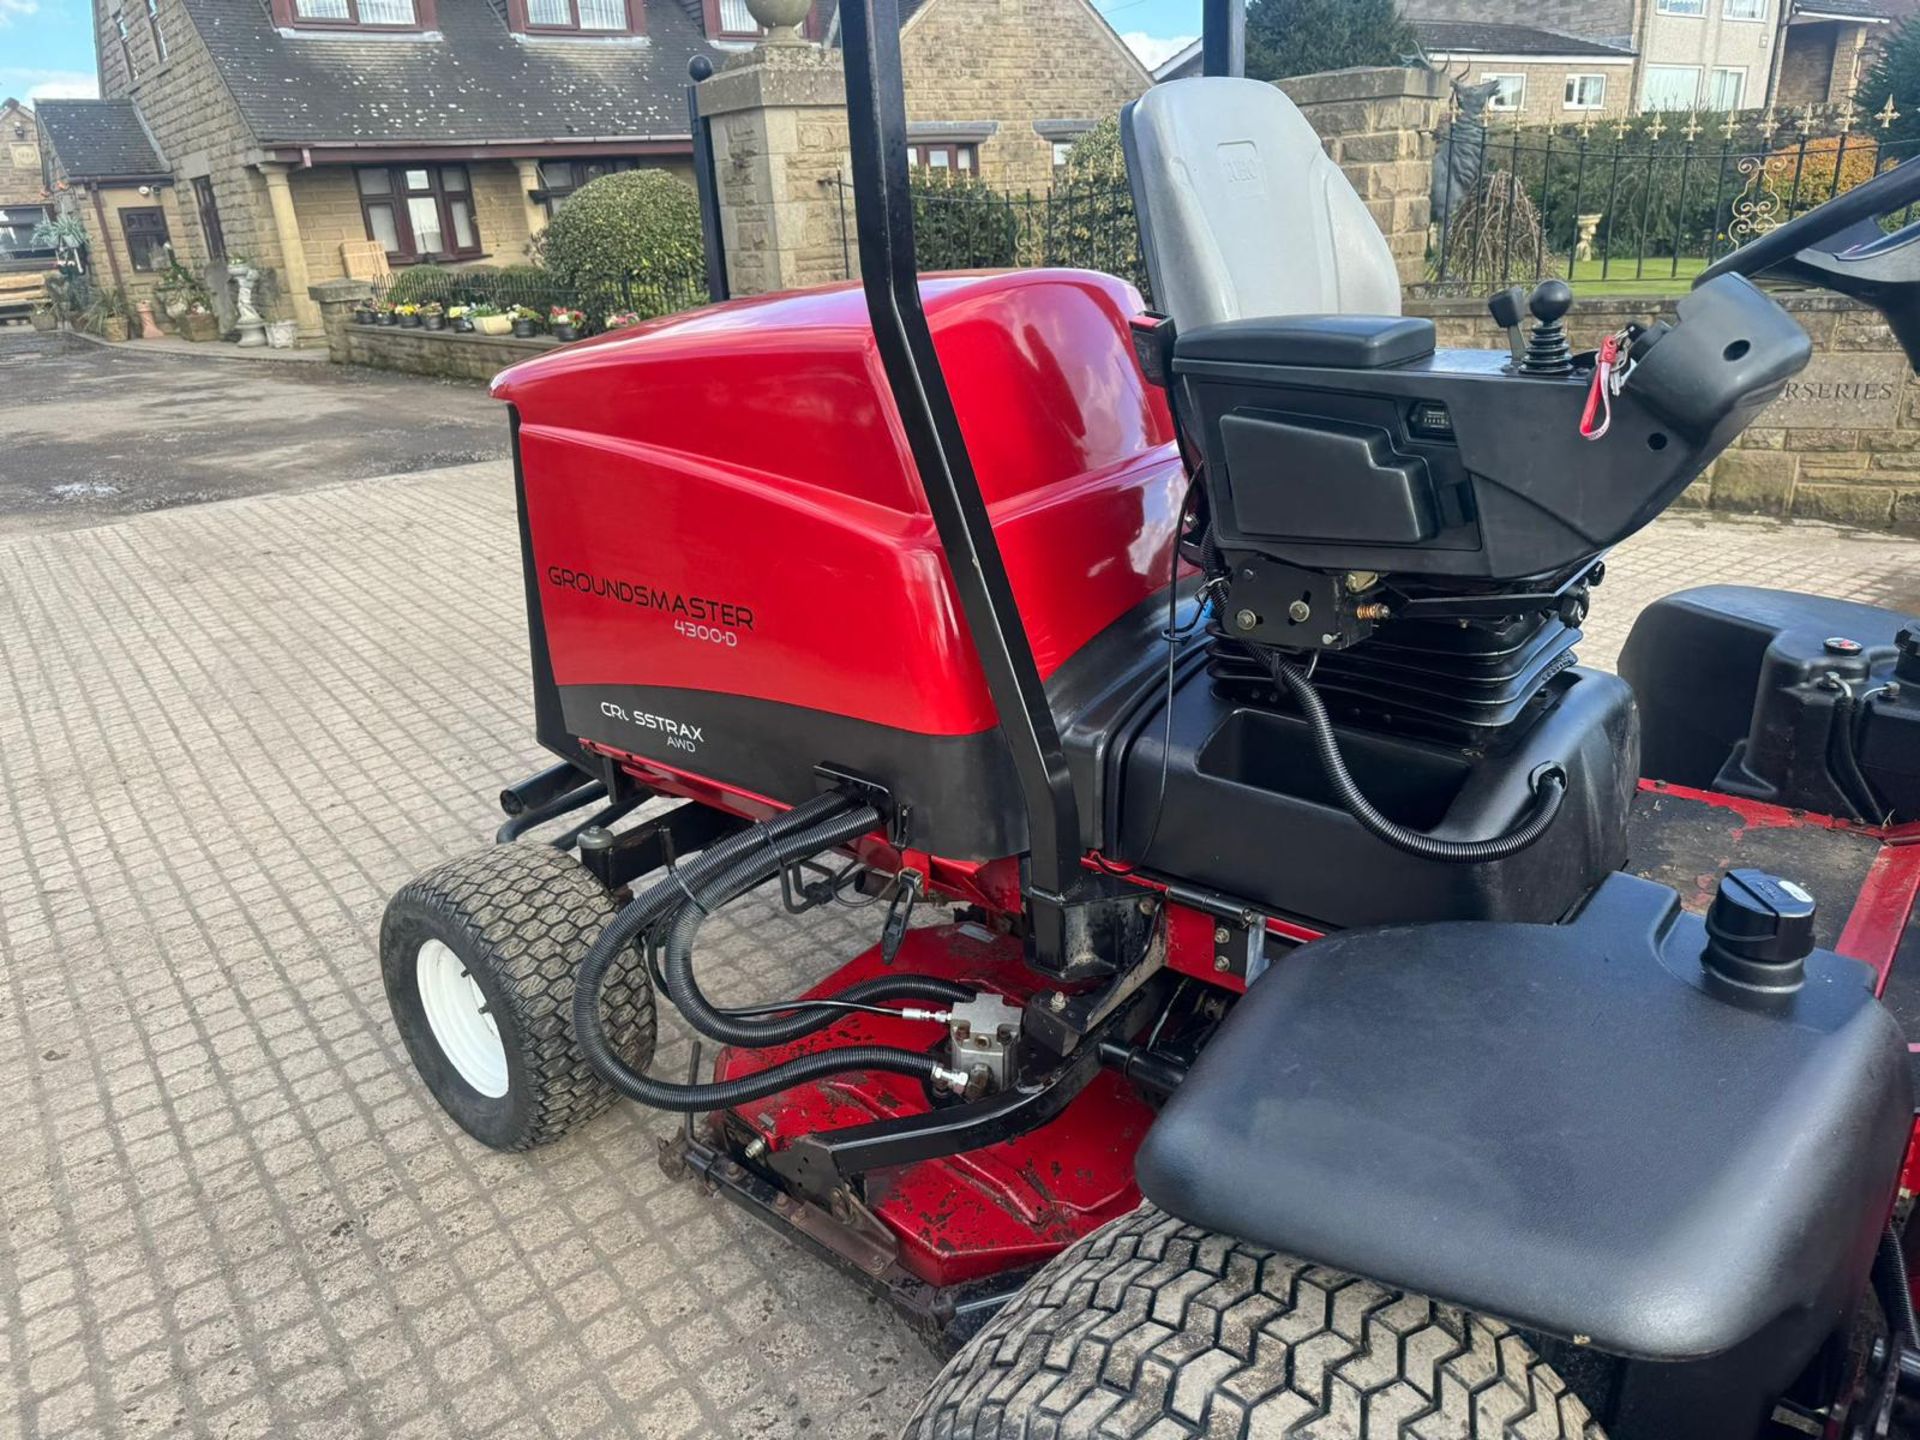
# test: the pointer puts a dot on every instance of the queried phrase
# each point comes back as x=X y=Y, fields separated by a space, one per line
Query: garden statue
x=253 y=330
x=1461 y=150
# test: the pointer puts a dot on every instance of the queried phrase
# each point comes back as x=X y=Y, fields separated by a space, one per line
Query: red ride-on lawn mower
x=1501 y=1047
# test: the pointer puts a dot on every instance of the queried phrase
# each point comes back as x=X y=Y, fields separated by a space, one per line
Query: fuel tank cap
x=1759 y=931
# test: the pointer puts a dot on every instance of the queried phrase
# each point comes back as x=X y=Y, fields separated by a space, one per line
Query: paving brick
x=231 y=731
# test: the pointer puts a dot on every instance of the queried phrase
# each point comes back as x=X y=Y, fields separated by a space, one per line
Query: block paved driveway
x=229 y=731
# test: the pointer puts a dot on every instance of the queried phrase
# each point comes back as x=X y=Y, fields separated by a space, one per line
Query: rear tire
x=1152 y=1329
x=478 y=956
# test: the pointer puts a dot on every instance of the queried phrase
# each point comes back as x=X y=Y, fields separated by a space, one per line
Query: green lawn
x=1657 y=276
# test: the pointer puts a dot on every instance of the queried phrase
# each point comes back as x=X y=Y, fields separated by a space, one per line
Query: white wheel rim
x=457 y=1014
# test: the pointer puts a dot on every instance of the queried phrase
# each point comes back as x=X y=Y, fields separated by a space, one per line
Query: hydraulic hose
x=1890 y=1284
x=684 y=927
x=1550 y=788
x=721 y=872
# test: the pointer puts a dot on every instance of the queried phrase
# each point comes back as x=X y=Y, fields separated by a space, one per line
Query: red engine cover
x=966 y=1216
x=722 y=510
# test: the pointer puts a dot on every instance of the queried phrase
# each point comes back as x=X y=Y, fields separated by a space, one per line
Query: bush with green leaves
x=1304 y=37
x=639 y=223
x=1894 y=74
x=1090 y=220
x=960 y=223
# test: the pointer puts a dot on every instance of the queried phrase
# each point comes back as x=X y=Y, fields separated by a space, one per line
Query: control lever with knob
x=1548 y=351
x=1508 y=308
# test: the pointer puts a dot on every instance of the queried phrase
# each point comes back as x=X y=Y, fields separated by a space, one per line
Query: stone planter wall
x=1843 y=442
x=441 y=353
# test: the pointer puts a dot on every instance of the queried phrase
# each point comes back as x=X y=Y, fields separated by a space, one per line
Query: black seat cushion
x=1341 y=342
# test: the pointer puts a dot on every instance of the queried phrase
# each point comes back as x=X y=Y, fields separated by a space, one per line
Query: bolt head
x=596 y=837
x=1058 y=1002
x=1221 y=935
x=1221 y=962
x=1246 y=619
x=1298 y=612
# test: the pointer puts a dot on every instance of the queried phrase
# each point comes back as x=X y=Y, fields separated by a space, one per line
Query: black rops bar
x=883 y=220
x=1223 y=37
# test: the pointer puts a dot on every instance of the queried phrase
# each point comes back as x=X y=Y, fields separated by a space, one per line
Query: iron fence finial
x=1887 y=114
x=1692 y=129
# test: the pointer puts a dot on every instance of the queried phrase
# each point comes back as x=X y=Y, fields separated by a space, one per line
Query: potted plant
x=461 y=318
x=199 y=323
x=408 y=315
x=365 y=314
x=433 y=315
x=42 y=316
x=526 y=321
x=564 y=323
x=105 y=318
x=383 y=313
x=622 y=320
x=491 y=319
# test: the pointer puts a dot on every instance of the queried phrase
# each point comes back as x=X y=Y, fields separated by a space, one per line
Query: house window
x=1061 y=150
x=1725 y=89
x=153 y=26
x=560 y=178
x=355 y=14
x=1671 y=87
x=605 y=17
x=948 y=158
x=1586 y=92
x=125 y=34
x=1510 y=91
x=731 y=20
x=17 y=224
x=1744 y=9
x=145 y=227
x=1681 y=7
x=209 y=212
x=420 y=212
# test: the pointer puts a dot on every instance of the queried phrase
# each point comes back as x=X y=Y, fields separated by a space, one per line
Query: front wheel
x=1152 y=1329
x=478 y=956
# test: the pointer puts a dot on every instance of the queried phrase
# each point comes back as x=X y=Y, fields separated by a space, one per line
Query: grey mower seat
x=1241 y=212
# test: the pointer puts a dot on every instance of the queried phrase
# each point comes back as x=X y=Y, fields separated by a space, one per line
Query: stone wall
x=439 y=353
x=20 y=181
x=1376 y=123
x=1015 y=63
x=1843 y=442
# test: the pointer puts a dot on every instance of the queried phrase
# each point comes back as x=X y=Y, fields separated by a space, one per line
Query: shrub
x=1303 y=37
x=644 y=223
x=420 y=282
x=1092 y=222
x=960 y=223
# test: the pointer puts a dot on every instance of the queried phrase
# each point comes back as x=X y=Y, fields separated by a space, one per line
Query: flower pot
x=565 y=332
x=388 y=318
x=364 y=317
x=44 y=320
x=282 y=333
x=493 y=324
x=113 y=328
x=463 y=326
x=434 y=322
x=410 y=322
x=200 y=325
x=523 y=329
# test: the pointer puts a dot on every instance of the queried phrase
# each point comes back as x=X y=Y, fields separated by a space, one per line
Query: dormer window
x=354 y=14
x=577 y=17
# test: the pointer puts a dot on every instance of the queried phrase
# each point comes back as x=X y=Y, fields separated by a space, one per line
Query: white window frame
x=1520 y=93
x=1686 y=9
x=1568 y=98
x=1739 y=89
x=1646 y=87
x=1735 y=10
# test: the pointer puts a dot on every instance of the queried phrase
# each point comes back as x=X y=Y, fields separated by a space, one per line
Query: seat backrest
x=1241 y=212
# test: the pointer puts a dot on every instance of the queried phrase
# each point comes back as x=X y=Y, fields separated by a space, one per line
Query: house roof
x=1469 y=37
x=1182 y=63
x=474 y=82
x=100 y=140
x=1872 y=11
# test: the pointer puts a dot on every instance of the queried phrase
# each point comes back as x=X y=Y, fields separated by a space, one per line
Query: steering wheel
x=1839 y=246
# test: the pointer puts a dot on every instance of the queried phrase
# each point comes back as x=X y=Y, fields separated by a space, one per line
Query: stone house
x=1545 y=77
x=1001 y=88
x=1826 y=45
x=101 y=165
x=22 y=188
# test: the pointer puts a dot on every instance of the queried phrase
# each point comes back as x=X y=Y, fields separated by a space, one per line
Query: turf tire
x=520 y=918
x=1152 y=1329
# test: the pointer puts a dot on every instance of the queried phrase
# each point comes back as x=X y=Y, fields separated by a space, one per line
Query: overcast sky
x=46 y=46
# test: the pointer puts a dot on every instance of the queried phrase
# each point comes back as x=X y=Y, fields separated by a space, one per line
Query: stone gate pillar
x=779 y=126
x=1377 y=125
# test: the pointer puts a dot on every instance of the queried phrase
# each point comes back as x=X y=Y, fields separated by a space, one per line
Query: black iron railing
x=1638 y=202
